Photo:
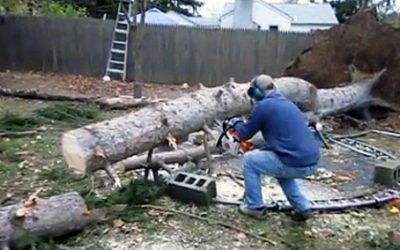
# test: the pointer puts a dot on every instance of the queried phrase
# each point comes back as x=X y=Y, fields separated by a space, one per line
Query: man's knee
x=248 y=158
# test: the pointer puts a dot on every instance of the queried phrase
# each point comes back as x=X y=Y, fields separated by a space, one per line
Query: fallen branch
x=209 y=221
x=362 y=133
x=110 y=103
x=233 y=177
x=36 y=94
x=179 y=156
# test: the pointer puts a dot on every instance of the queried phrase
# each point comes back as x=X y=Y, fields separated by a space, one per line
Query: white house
x=258 y=14
x=207 y=22
x=254 y=14
x=172 y=18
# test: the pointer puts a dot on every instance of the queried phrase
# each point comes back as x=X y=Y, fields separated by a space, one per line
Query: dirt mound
x=362 y=41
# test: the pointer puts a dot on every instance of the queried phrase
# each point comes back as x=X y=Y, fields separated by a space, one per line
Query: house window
x=273 y=27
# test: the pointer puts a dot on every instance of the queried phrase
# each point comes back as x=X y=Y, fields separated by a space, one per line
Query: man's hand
x=233 y=121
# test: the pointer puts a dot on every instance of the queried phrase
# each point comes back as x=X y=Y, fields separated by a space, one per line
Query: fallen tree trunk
x=98 y=145
x=95 y=146
x=36 y=94
x=44 y=218
x=179 y=156
x=119 y=102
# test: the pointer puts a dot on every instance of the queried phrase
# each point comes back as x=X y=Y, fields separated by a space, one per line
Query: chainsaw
x=229 y=141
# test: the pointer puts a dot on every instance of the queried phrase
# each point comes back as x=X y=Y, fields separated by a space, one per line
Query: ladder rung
x=121 y=31
x=115 y=71
x=118 y=51
x=120 y=42
x=117 y=62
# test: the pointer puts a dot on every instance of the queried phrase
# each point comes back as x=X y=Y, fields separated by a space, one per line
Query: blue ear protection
x=255 y=91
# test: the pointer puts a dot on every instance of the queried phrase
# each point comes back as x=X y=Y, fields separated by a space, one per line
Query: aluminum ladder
x=118 y=55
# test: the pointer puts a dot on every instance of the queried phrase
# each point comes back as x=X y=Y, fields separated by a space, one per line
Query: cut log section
x=95 y=146
x=44 y=218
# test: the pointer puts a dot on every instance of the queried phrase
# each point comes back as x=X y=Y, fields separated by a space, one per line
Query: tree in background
x=97 y=8
x=347 y=8
x=185 y=7
x=41 y=7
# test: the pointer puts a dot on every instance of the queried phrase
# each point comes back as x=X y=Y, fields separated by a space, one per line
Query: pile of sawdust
x=362 y=41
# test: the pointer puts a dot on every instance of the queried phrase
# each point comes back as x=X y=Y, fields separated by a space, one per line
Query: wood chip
x=172 y=141
x=100 y=152
x=32 y=199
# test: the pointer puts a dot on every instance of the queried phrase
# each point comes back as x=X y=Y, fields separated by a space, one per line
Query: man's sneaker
x=302 y=216
x=260 y=213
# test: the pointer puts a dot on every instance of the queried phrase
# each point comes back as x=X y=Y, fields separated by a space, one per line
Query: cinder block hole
x=190 y=180
x=396 y=174
x=200 y=182
x=180 y=177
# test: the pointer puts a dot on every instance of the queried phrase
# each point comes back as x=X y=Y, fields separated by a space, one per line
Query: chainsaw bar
x=375 y=199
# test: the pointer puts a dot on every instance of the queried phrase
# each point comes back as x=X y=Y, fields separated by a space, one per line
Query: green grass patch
x=69 y=112
x=17 y=123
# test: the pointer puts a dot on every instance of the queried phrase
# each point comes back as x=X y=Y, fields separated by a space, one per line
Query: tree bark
x=45 y=218
x=98 y=145
x=143 y=16
x=124 y=102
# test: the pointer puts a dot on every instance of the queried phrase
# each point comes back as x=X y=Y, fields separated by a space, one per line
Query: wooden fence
x=156 y=53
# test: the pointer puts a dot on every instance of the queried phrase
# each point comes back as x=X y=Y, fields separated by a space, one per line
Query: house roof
x=156 y=16
x=205 y=21
x=193 y=21
x=298 y=13
x=308 y=13
x=181 y=19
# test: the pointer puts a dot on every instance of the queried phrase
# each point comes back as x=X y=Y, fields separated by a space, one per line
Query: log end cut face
x=77 y=148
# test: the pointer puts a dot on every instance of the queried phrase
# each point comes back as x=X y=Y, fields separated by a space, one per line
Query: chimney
x=243 y=14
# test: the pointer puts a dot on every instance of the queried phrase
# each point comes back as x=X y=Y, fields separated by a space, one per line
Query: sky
x=211 y=7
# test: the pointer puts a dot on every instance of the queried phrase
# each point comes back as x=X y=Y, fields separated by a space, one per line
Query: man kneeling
x=292 y=151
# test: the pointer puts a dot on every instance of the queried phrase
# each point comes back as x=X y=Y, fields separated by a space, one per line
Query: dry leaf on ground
x=343 y=178
x=117 y=223
x=393 y=210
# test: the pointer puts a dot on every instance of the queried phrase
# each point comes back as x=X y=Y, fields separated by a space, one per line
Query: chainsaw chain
x=374 y=199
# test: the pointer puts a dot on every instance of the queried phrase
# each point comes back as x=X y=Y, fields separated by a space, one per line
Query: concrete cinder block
x=192 y=188
x=387 y=173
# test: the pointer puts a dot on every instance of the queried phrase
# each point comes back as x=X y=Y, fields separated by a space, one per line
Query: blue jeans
x=258 y=162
